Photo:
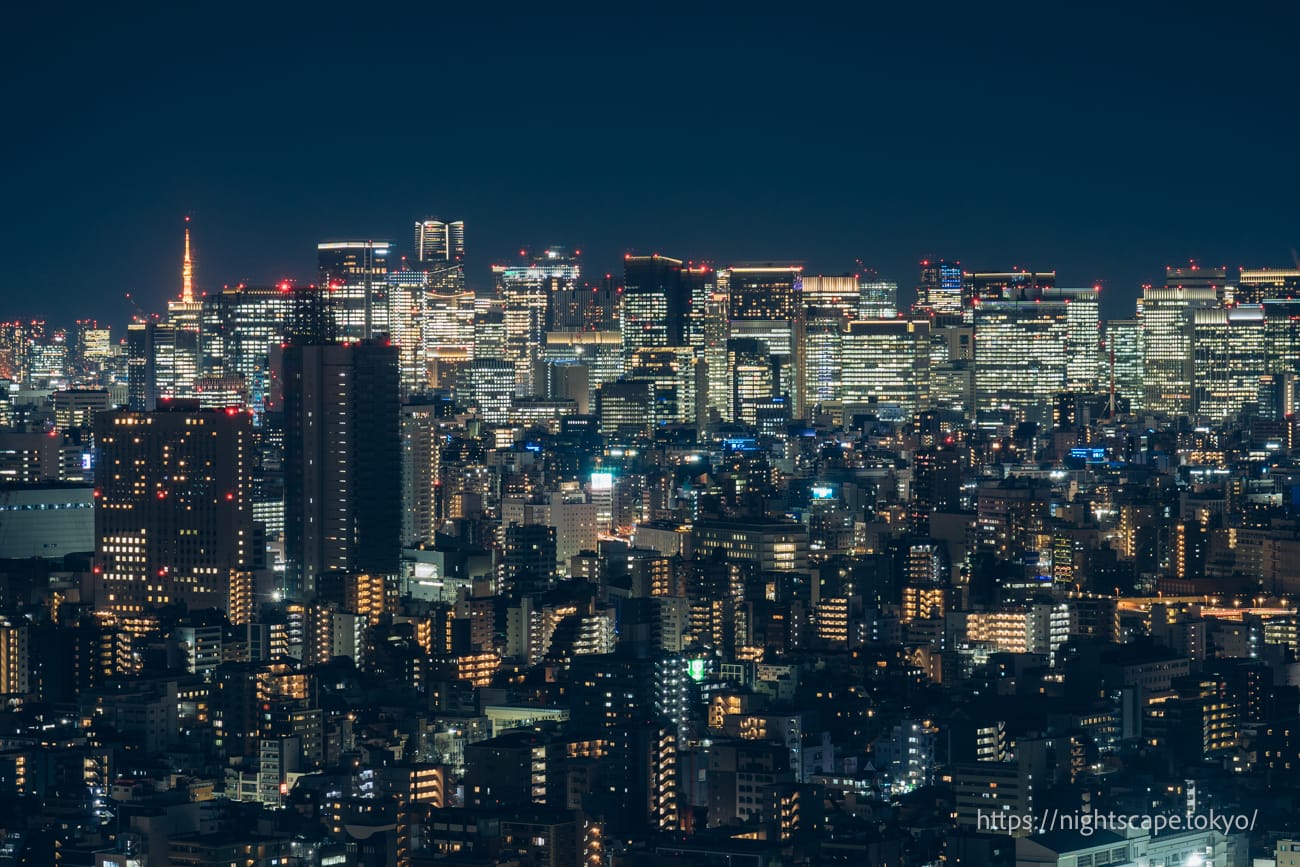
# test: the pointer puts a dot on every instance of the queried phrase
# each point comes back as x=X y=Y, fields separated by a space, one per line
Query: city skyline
x=650 y=439
x=903 y=137
x=479 y=274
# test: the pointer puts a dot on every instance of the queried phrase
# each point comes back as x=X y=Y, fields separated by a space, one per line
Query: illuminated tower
x=408 y=295
x=1256 y=285
x=183 y=316
x=187 y=268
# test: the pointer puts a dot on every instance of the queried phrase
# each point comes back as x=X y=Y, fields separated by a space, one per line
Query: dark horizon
x=1104 y=145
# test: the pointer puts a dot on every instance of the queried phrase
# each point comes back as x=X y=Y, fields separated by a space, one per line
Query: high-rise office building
x=885 y=367
x=1027 y=351
x=877 y=299
x=94 y=343
x=158 y=355
x=439 y=241
x=768 y=292
x=753 y=377
x=1282 y=346
x=701 y=281
x=1167 y=326
x=354 y=276
x=673 y=372
x=492 y=388
x=489 y=328
x=1229 y=351
x=238 y=328
x=47 y=361
x=1256 y=285
x=1122 y=362
x=408 y=292
x=625 y=408
x=1282 y=335
x=421 y=447
x=820 y=347
x=1015 y=285
x=343 y=465
x=710 y=331
x=173 y=521
x=1083 y=366
x=832 y=293
x=655 y=303
x=600 y=352
x=525 y=291
x=940 y=287
x=440 y=255
x=763 y=306
x=448 y=334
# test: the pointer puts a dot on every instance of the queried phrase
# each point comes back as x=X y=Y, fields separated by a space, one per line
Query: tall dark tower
x=343 y=462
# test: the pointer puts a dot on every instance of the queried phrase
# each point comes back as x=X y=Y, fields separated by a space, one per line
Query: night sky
x=1100 y=141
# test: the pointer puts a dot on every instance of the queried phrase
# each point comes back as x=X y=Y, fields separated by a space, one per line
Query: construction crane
x=139 y=315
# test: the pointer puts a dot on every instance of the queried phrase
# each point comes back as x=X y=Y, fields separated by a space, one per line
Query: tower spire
x=187 y=269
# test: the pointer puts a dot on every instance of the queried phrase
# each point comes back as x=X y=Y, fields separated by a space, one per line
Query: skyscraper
x=1167 y=326
x=834 y=293
x=1228 y=346
x=877 y=299
x=439 y=241
x=600 y=352
x=159 y=367
x=655 y=303
x=420 y=452
x=821 y=334
x=940 y=287
x=173 y=522
x=238 y=327
x=768 y=292
x=1256 y=285
x=1027 y=351
x=448 y=334
x=1015 y=285
x=343 y=467
x=763 y=305
x=492 y=388
x=886 y=367
x=525 y=291
x=354 y=276
x=1123 y=361
x=408 y=292
x=673 y=371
